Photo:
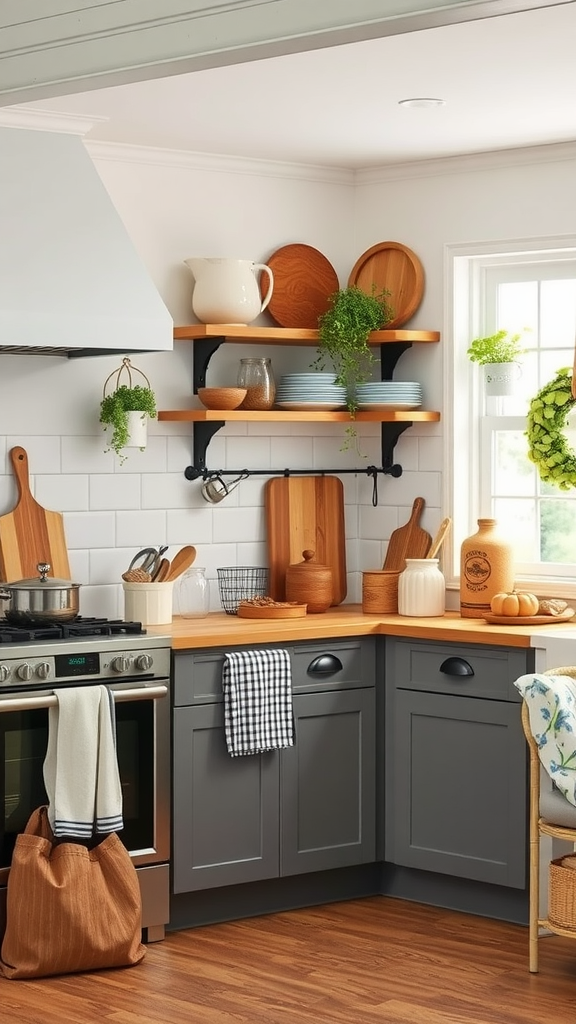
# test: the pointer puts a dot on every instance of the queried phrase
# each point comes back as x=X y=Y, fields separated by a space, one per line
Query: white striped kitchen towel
x=81 y=773
x=257 y=686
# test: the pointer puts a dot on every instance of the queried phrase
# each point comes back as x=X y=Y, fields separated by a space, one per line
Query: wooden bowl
x=222 y=398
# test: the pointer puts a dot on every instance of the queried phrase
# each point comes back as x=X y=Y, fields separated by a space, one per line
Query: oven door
x=143 y=750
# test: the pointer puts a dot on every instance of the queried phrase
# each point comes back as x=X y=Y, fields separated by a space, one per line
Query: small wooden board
x=528 y=620
x=408 y=541
x=30 y=533
x=254 y=611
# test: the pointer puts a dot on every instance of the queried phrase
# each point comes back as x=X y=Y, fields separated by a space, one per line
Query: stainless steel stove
x=37 y=661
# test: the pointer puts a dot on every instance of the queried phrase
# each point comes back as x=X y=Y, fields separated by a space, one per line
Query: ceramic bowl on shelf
x=222 y=398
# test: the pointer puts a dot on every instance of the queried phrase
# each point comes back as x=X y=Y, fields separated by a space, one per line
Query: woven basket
x=562 y=892
x=380 y=592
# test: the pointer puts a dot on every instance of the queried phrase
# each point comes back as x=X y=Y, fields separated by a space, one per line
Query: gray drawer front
x=334 y=664
x=417 y=665
x=198 y=674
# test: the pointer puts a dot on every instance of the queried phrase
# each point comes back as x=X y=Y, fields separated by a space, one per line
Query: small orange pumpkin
x=517 y=603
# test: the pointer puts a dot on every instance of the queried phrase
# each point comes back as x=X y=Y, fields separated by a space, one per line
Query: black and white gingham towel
x=257 y=688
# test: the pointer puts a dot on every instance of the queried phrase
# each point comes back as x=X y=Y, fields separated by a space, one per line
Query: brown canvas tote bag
x=69 y=908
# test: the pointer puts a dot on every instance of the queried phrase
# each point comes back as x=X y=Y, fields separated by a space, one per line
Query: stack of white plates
x=389 y=394
x=310 y=391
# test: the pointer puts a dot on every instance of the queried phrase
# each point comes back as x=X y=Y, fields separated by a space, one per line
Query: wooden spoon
x=162 y=571
x=439 y=538
x=182 y=560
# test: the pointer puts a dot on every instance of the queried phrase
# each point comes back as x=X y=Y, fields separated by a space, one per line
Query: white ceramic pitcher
x=226 y=291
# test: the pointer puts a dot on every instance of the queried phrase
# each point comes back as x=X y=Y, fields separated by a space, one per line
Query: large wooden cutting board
x=30 y=533
x=305 y=513
x=408 y=541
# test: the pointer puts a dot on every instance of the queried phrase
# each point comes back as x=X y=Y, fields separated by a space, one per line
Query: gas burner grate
x=81 y=627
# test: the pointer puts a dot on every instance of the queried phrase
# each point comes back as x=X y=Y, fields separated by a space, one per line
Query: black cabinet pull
x=324 y=665
x=456 y=667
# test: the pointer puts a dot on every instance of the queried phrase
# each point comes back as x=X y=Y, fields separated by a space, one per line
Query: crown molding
x=122 y=153
x=47 y=120
x=467 y=162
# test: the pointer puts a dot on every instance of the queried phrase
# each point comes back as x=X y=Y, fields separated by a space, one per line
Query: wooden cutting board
x=408 y=541
x=304 y=280
x=30 y=533
x=305 y=513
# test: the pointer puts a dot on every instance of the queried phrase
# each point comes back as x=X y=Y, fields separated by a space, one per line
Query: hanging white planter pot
x=500 y=378
x=137 y=430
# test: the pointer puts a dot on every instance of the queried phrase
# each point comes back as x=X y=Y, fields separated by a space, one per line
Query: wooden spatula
x=182 y=560
x=408 y=541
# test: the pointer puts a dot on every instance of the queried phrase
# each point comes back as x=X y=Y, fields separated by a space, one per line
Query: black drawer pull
x=324 y=665
x=456 y=667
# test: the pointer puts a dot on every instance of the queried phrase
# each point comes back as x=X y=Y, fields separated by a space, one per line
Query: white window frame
x=464 y=319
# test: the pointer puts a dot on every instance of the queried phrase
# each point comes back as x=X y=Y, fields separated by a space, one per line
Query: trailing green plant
x=549 y=449
x=343 y=332
x=501 y=347
x=114 y=409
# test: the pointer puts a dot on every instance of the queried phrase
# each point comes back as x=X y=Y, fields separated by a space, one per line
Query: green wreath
x=548 y=447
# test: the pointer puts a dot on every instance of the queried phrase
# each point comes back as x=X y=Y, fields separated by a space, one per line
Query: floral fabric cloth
x=551 y=703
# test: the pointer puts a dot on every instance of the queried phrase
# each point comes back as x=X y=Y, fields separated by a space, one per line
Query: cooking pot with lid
x=40 y=601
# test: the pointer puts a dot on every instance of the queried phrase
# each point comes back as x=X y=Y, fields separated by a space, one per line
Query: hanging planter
x=126 y=409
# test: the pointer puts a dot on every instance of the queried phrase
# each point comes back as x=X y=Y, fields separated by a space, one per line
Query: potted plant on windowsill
x=343 y=332
x=126 y=410
x=498 y=354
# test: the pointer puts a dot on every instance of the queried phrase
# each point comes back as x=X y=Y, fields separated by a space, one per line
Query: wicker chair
x=550 y=815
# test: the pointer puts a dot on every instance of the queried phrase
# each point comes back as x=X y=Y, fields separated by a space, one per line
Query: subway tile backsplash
x=111 y=510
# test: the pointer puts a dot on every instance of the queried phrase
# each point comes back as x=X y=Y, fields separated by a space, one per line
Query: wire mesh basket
x=240 y=583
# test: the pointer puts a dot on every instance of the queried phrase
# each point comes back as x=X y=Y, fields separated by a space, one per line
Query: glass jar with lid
x=256 y=375
x=192 y=595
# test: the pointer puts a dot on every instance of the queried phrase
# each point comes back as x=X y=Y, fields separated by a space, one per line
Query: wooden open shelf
x=300 y=416
x=284 y=336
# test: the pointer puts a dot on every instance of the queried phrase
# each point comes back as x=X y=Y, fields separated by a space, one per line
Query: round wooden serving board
x=255 y=611
x=393 y=267
x=304 y=280
x=529 y=620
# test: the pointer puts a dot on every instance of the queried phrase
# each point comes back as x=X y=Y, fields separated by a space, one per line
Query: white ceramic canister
x=192 y=594
x=421 y=588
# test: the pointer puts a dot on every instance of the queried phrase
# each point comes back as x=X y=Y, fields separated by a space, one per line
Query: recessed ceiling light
x=421 y=101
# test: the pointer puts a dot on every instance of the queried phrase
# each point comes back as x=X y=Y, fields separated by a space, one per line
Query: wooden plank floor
x=369 y=961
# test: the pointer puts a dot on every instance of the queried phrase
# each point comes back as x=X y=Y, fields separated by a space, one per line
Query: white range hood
x=71 y=282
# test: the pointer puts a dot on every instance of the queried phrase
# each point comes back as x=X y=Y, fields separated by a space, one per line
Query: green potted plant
x=343 y=332
x=498 y=354
x=126 y=410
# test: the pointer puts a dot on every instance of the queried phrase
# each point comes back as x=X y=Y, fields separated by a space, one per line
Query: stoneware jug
x=227 y=292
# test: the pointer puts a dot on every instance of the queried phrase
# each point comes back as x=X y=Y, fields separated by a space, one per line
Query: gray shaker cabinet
x=310 y=807
x=456 y=796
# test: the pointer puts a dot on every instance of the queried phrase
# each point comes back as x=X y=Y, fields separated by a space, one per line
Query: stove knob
x=120 y=664
x=43 y=670
x=24 y=671
x=144 y=662
x=4 y=673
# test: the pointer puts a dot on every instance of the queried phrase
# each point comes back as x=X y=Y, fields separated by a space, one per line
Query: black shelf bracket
x=390 y=434
x=202 y=435
x=390 y=353
x=202 y=352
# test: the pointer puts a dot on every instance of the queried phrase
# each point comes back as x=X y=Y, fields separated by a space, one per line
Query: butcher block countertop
x=219 y=629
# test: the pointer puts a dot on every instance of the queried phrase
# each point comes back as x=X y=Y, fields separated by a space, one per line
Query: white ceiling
x=507 y=82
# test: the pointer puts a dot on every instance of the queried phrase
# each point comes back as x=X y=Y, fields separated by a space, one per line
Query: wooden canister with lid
x=310 y=583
